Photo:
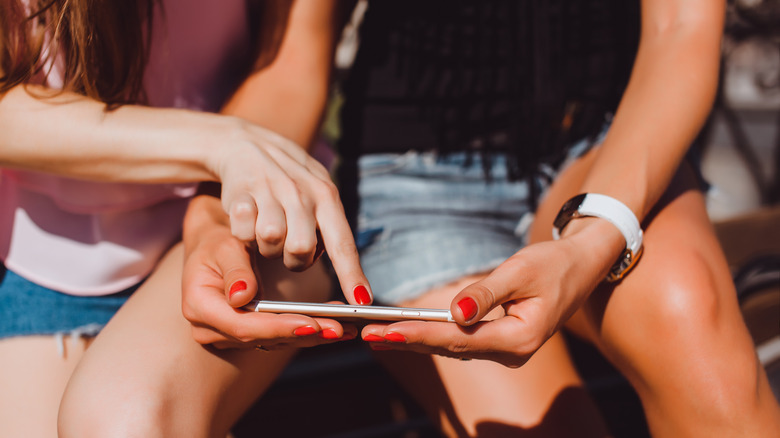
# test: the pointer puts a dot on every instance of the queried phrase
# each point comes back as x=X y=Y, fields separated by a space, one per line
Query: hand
x=282 y=198
x=539 y=288
x=219 y=278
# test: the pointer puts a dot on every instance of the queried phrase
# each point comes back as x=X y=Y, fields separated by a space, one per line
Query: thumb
x=477 y=299
x=240 y=282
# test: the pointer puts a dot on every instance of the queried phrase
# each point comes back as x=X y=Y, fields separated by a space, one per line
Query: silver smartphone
x=351 y=312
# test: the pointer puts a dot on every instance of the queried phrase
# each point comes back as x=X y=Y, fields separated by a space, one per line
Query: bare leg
x=146 y=376
x=33 y=376
x=543 y=398
x=673 y=326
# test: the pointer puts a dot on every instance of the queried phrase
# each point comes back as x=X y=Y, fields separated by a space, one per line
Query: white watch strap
x=618 y=214
x=614 y=211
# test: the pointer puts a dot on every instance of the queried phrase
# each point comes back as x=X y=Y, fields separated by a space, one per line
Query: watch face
x=568 y=211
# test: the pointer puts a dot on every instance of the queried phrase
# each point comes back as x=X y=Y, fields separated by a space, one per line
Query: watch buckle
x=623 y=265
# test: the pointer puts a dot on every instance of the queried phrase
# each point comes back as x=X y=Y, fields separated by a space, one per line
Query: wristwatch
x=605 y=207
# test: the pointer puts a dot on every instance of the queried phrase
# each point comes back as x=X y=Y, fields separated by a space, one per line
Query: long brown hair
x=105 y=45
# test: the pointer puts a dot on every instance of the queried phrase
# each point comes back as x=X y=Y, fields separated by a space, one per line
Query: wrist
x=616 y=214
x=204 y=214
x=598 y=243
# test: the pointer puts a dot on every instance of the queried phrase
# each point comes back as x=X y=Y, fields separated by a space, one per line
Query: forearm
x=74 y=136
x=289 y=94
x=293 y=108
x=669 y=96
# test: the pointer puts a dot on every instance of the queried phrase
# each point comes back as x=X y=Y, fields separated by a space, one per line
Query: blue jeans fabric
x=426 y=220
x=27 y=308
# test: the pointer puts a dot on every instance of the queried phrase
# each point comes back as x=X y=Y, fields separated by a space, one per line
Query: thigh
x=146 y=374
x=44 y=334
x=33 y=375
x=543 y=398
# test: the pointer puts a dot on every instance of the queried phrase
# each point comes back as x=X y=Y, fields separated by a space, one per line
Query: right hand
x=279 y=196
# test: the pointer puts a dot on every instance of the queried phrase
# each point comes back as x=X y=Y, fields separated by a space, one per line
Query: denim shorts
x=426 y=220
x=29 y=309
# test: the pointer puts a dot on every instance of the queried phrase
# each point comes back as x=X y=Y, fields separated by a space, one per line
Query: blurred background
x=740 y=158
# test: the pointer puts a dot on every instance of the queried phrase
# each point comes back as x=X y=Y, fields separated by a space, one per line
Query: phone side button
x=409 y=313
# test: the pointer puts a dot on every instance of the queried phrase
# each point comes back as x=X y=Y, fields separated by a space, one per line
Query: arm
x=74 y=136
x=669 y=95
x=289 y=93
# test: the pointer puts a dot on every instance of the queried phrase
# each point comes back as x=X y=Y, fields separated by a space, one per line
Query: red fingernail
x=361 y=294
x=468 y=307
x=305 y=331
x=373 y=338
x=395 y=337
x=237 y=287
x=329 y=334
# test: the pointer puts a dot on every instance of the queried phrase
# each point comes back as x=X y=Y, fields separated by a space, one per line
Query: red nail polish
x=329 y=334
x=237 y=287
x=468 y=307
x=305 y=331
x=373 y=338
x=395 y=337
x=361 y=294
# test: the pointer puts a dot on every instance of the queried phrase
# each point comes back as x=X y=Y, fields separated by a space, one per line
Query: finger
x=240 y=280
x=271 y=227
x=476 y=300
x=300 y=246
x=243 y=215
x=252 y=327
x=340 y=246
x=330 y=217
x=336 y=330
x=297 y=196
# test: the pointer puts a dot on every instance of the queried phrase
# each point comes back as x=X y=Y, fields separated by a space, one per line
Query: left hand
x=214 y=263
x=539 y=289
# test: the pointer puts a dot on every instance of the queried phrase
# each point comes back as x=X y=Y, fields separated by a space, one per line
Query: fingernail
x=305 y=331
x=395 y=337
x=361 y=294
x=237 y=287
x=329 y=334
x=373 y=338
x=468 y=307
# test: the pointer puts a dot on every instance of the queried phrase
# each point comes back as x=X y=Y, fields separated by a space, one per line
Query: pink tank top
x=89 y=238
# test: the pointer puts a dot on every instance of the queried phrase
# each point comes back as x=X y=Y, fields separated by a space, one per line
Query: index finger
x=340 y=246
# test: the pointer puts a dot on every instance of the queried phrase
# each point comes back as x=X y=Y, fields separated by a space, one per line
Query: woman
x=457 y=114
x=107 y=122
x=501 y=93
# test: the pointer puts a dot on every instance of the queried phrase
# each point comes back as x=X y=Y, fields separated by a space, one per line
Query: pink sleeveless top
x=89 y=238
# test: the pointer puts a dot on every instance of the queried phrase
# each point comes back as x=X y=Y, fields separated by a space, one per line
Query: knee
x=686 y=300
x=103 y=413
x=684 y=330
